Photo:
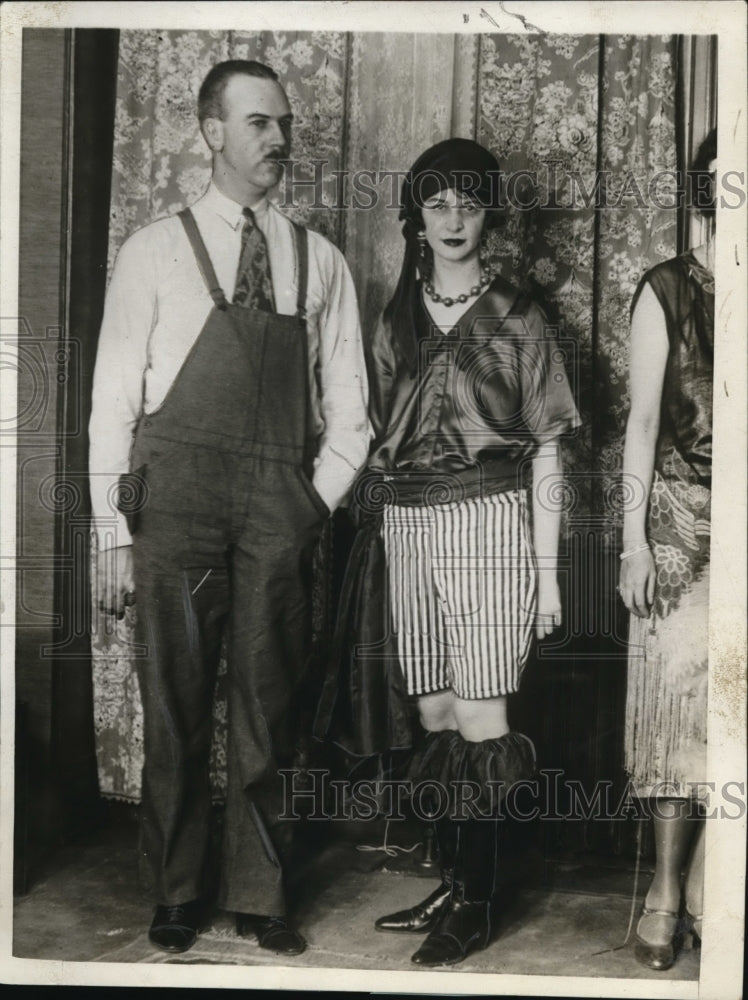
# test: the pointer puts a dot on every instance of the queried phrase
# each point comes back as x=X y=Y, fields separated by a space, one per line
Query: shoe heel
x=691 y=937
x=691 y=941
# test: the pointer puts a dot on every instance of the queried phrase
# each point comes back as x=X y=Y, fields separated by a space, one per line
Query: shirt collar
x=231 y=210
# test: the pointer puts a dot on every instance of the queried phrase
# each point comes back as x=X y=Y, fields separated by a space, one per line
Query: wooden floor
x=570 y=921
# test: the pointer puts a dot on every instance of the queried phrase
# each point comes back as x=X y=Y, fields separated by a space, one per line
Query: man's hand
x=115 y=583
x=548 y=614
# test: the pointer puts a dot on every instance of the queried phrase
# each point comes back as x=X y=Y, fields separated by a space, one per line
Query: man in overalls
x=229 y=420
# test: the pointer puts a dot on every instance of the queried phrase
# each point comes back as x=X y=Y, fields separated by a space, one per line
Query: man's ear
x=213 y=133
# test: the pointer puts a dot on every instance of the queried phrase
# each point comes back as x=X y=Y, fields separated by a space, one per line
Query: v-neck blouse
x=437 y=328
x=485 y=395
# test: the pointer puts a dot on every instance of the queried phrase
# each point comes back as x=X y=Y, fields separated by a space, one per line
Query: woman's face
x=453 y=224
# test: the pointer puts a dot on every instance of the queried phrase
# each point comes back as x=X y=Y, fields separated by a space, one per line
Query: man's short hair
x=210 y=98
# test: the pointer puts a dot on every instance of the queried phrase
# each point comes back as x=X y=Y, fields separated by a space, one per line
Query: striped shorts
x=462 y=585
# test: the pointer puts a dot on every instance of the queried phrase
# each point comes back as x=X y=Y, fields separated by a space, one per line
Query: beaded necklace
x=445 y=300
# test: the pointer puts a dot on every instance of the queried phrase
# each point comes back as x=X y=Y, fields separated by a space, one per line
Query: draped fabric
x=558 y=111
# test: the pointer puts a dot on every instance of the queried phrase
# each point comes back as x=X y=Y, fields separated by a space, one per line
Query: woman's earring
x=421 y=237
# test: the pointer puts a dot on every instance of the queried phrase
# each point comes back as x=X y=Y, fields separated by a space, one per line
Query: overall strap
x=203 y=258
x=302 y=256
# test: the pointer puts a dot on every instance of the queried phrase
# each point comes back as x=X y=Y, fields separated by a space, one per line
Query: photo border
x=722 y=947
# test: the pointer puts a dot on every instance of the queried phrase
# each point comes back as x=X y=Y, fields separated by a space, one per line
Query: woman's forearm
x=638 y=470
x=648 y=360
x=547 y=475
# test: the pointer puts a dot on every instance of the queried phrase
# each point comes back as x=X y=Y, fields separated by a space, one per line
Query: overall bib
x=223 y=537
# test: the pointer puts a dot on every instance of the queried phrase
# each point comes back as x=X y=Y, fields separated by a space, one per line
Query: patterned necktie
x=253 y=288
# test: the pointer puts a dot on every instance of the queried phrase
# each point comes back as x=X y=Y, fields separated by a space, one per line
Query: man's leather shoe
x=273 y=933
x=175 y=928
x=419 y=918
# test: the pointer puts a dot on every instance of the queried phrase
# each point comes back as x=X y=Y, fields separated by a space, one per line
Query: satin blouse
x=484 y=396
x=685 y=290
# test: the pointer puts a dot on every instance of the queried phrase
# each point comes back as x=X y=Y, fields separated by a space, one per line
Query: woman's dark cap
x=454 y=164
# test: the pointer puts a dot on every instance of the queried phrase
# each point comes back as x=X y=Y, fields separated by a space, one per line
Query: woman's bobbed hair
x=461 y=165
x=701 y=183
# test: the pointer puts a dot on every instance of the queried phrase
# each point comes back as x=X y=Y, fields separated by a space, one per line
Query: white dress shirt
x=156 y=306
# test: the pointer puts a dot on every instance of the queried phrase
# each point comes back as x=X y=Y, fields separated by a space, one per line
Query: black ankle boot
x=465 y=924
x=423 y=916
x=463 y=927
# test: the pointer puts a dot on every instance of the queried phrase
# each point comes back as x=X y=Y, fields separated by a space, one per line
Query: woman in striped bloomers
x=468 y=395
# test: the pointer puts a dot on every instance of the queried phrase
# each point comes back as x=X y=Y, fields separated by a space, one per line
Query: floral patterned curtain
x=564 y=108
x=161 y=162
x=556 y=110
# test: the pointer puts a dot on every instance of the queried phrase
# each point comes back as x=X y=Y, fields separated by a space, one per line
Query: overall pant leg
x=269 y=649
x=181 y=612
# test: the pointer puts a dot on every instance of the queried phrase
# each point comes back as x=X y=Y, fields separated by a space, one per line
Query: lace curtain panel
x=557 y=110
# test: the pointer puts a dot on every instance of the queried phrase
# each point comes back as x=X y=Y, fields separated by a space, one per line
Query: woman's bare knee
x=483 y=719
x=437 y=711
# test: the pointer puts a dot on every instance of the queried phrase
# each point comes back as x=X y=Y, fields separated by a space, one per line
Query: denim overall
x=223 y=538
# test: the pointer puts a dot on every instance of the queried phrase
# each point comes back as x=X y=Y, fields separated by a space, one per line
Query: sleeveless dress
x=666 y=702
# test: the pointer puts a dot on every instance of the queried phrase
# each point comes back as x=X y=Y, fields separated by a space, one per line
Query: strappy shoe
x=659 y=957
x=693 y=934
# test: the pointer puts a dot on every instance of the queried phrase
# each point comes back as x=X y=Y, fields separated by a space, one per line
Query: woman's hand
x=548 y=614
x=637 y=582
